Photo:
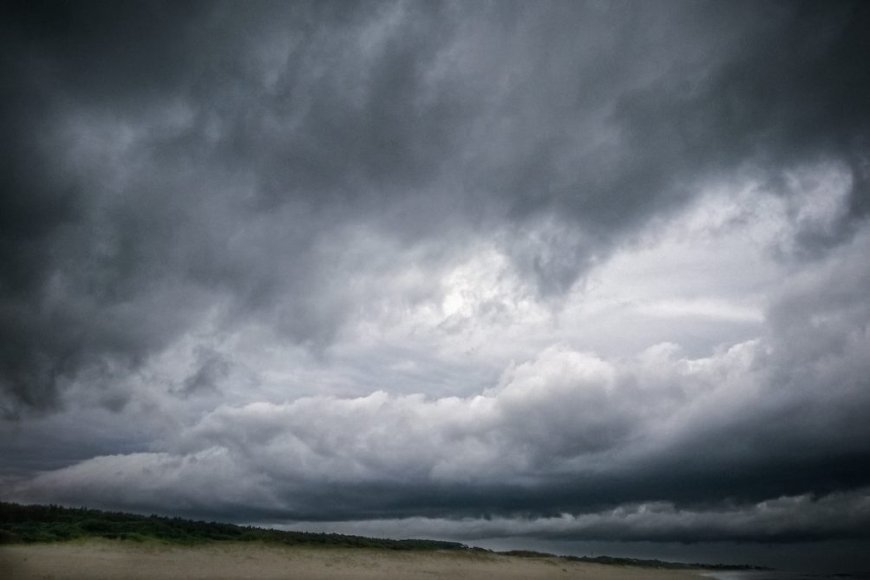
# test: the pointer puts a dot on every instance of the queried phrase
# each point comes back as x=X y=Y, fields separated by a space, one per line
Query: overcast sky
x=584 y=275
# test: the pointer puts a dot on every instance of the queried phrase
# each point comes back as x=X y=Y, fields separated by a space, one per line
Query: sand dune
x=98 y=560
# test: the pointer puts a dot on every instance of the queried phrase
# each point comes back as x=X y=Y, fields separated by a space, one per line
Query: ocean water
x=780 y=575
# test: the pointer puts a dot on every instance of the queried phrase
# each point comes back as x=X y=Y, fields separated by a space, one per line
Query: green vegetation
x=37 y=523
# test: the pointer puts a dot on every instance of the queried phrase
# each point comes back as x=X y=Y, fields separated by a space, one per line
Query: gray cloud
x=169 y=159
x=784 y=519
x=567 y=432
x=211 y=369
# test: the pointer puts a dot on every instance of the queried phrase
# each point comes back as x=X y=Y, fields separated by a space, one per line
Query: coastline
x=117 y=560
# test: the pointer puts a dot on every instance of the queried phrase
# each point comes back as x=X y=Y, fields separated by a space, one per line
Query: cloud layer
x=564 y=270
x=568 y=431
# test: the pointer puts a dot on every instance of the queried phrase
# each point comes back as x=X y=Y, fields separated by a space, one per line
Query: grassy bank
x=37 y=523
x=28 y=524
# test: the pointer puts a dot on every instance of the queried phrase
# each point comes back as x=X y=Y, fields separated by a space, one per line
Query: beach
x=106 y=559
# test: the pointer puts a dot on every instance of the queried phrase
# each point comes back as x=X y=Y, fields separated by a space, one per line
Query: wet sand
x=101 y=560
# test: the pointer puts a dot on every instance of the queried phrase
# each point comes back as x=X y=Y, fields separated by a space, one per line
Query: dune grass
x=27 y=524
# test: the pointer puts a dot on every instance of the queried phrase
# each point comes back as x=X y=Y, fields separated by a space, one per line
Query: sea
x=780 y=575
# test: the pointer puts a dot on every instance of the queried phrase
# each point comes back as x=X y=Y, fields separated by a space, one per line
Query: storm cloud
x=570 y=270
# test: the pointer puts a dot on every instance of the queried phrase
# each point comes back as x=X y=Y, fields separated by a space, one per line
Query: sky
x=590 y=277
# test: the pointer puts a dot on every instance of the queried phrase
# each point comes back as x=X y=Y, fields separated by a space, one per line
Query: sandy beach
x=100 y=560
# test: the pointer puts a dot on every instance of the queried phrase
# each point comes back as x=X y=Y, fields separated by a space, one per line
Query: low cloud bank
x=784 y=519
x=782 y=416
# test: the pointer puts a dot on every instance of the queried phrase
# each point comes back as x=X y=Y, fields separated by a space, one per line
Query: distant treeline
x=51 y=523
x=37 y=523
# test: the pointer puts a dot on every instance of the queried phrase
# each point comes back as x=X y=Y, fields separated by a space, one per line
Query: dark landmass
x=25 y=524
x=37 y=523
x=636 y=562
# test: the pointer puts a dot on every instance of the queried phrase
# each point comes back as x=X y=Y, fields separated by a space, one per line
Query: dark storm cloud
x=57 y=55
x=784 y=519
x=136 y=217
x=145 y=142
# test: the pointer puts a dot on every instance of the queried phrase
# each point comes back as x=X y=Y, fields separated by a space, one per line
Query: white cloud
x=562 y=412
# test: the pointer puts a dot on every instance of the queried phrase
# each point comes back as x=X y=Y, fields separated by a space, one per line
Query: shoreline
x=122 y=560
